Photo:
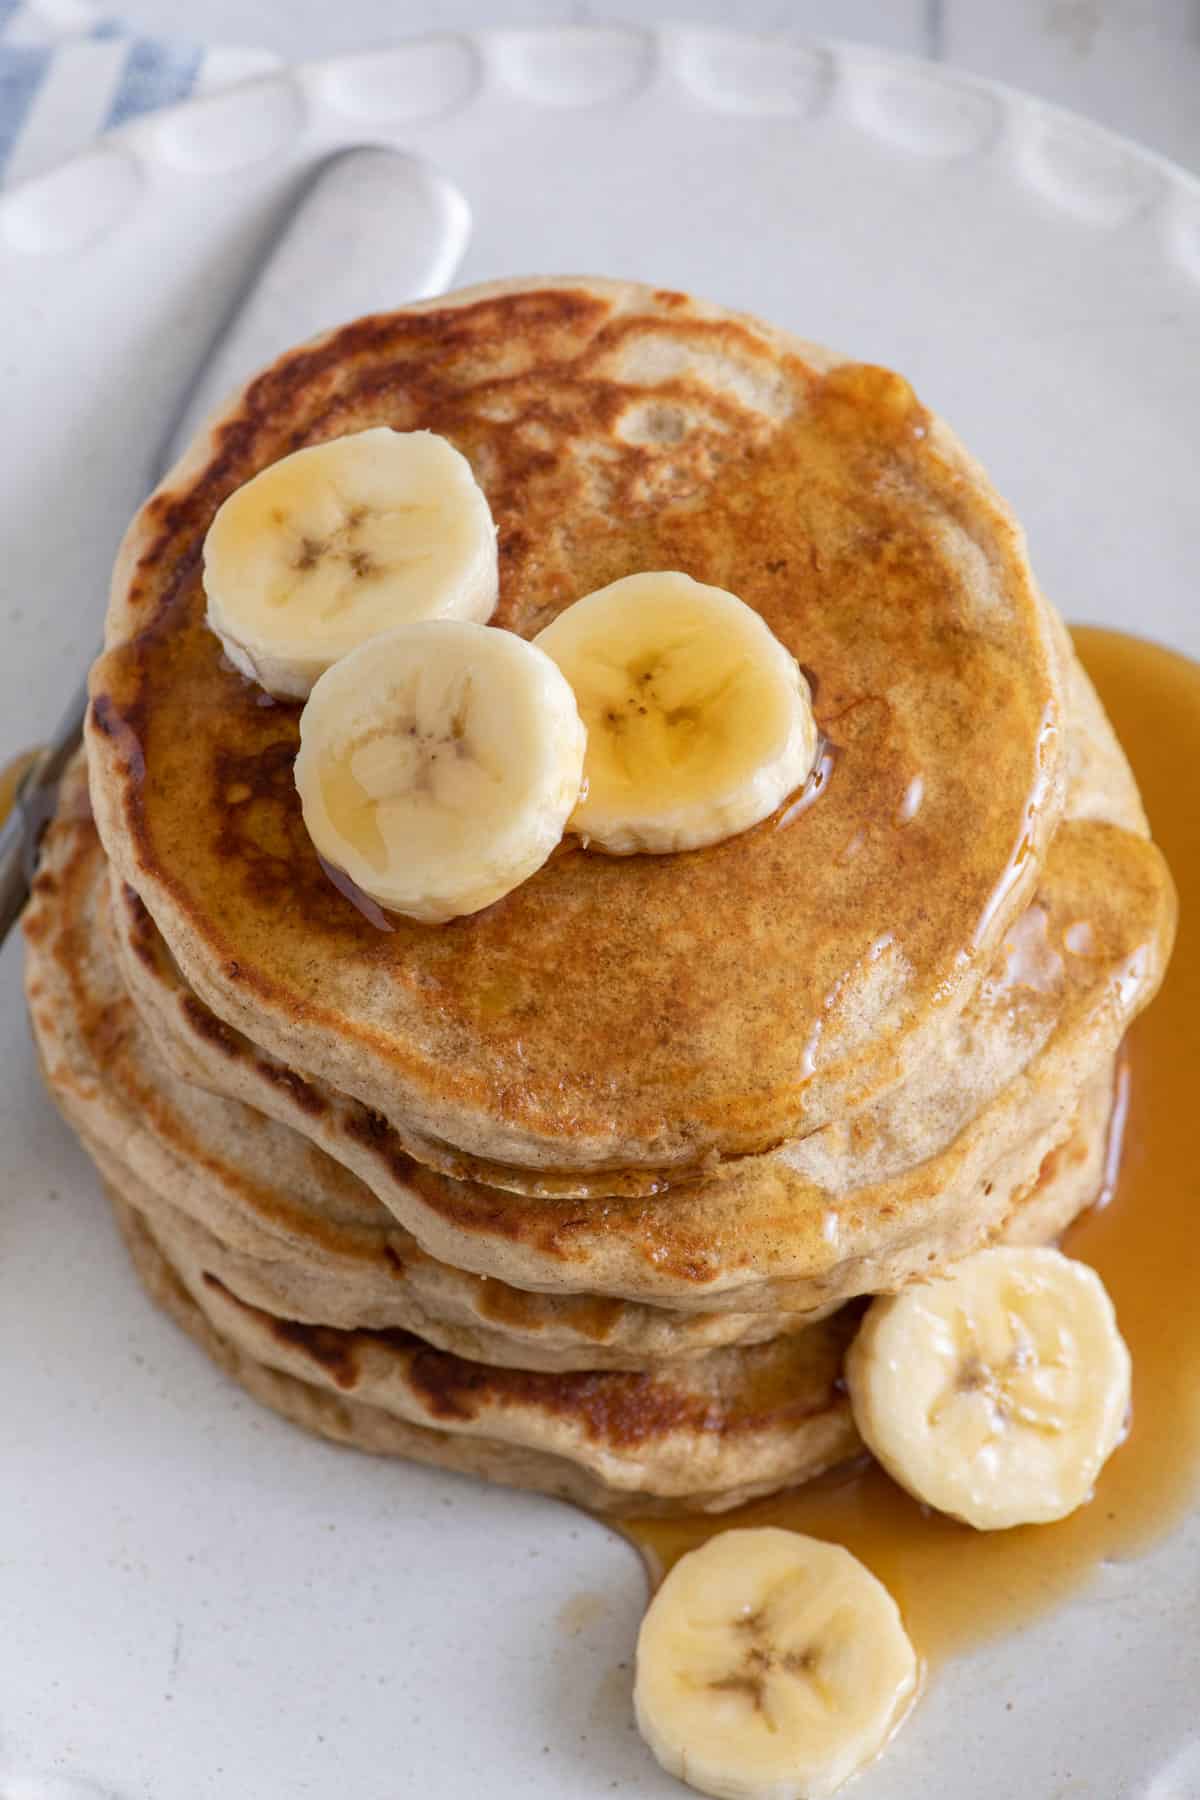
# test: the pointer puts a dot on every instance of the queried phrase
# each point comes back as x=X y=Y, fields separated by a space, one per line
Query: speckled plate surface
x=195 y=1600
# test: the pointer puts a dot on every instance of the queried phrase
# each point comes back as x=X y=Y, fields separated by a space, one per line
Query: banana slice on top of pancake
x=438 y=765
x=339 y=542
x=771 y=1666
x=699 y=719
x=996 y=1393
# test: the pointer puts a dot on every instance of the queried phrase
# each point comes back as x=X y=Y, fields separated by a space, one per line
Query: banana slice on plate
x=438 y=765
x=336 y=543
x=998 y=1393
x=699 y=720
x=771 y=1666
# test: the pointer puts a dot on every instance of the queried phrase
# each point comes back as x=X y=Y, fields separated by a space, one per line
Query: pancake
x=310 y=1234
x=1075 y=1175
x=702 y=1435
x=707 y=1435
x=615 y=1024
x=709 y=1430
x=335 y=1253
x=794 y=1231
x=300 y=1285
x=286 y=1226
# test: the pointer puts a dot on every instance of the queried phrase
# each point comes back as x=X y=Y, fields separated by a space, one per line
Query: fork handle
x=14 y=877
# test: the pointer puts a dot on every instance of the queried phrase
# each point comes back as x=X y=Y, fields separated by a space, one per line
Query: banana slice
x=339 y=542
x=699 y=720
x=996 y=1394
x=771 y=1666
x=438 y=765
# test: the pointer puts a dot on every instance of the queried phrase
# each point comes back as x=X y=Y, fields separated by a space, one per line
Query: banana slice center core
x=346 y=557
x=666 y=705
x=405 y=764
x=1015 y=1368
x=763 y=1671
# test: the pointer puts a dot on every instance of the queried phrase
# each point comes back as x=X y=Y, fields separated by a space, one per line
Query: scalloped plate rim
x=306 y=76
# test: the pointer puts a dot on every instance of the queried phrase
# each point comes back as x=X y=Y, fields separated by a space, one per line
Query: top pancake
x=616 y=1022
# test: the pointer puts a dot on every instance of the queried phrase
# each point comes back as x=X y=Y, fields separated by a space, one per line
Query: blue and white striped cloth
x=69 y=71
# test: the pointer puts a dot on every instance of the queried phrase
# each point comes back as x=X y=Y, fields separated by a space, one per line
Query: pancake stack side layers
x=584 y=1192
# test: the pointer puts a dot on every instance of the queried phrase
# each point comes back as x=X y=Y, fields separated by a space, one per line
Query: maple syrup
x=956 y=1586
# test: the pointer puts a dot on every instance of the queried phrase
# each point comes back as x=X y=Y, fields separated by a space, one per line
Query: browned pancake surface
x=648 y=1012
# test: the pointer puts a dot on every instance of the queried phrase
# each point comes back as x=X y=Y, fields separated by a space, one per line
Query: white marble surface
x=1133 y=65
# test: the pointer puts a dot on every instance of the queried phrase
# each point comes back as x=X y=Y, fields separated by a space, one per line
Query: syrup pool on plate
x=956 y=1586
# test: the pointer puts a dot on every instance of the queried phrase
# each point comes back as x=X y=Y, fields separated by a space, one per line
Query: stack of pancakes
x=584 y=1192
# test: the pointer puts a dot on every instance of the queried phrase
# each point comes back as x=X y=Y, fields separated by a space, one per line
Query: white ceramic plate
x=195 y=1599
